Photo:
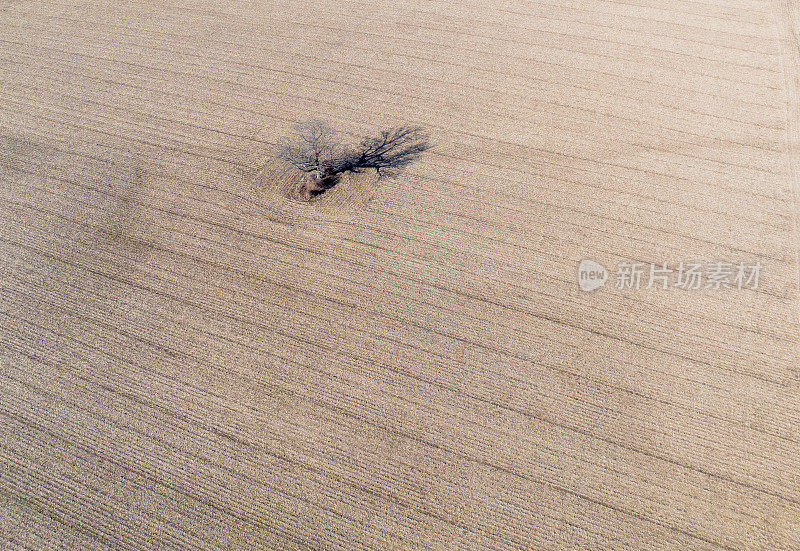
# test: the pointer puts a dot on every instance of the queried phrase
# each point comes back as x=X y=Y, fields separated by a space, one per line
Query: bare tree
x=315 y=147
x=317 y=152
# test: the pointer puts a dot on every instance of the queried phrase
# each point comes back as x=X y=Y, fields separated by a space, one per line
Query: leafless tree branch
x=315 y=147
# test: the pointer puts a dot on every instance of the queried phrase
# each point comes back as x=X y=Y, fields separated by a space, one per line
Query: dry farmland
x=193 y=358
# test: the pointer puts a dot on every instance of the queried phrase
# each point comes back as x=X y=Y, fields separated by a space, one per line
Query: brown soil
x=312 y=186
x=193 y=356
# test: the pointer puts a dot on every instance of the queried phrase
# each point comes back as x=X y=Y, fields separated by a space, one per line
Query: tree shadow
x=316 y=151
